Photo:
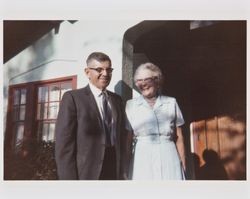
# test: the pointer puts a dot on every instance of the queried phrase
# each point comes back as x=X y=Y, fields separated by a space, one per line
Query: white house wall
x=64 y=53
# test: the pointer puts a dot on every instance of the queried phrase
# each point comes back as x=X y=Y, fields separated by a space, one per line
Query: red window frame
x=30 y=121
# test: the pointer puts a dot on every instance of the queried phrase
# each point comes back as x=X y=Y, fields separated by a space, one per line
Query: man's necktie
x=107 y=118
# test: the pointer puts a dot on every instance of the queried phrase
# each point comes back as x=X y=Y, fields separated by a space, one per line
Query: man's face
x=99 y=73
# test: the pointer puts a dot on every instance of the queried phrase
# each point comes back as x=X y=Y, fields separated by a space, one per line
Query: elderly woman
x=155 y=121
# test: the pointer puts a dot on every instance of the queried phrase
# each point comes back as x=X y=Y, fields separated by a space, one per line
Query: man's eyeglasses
x=148 y=80
x=100 y=70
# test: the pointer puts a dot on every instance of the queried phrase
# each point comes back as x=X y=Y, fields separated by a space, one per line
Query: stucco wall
x=63 y=53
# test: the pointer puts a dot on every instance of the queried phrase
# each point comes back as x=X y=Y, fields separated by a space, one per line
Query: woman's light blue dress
x=155 y=154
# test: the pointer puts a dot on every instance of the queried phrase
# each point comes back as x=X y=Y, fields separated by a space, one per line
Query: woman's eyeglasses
x=100 y=70
x=148 y=80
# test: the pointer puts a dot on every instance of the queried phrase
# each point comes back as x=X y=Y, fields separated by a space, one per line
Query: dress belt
x=154 y=138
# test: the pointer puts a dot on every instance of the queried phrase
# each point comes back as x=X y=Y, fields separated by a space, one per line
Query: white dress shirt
x=98 y=97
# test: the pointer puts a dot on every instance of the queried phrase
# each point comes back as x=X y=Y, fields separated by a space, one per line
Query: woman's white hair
x=148 y=66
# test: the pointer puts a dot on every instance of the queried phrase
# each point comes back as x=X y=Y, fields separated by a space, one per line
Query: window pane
x=45 y=130
x=19 y=134
x=42 y=110
x=53 y=110
x=54 y=93
x=22 y=112
x=51 y=132
x=15 y=113
x=16 y=97
x=43 y=94
x=65 y=87
x=23 y=96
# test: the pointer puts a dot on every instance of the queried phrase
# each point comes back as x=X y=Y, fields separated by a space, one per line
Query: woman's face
x=148 y=83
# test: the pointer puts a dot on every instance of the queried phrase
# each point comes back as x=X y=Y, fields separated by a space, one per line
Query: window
x=49 y=97
x=33 y=109
x=18 y=116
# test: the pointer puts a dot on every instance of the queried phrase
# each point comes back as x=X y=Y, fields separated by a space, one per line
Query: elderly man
x=90 y=127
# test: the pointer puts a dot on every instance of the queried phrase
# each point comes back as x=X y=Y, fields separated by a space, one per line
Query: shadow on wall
x=39 y=53
x=227 y=136
x=122 y=89
x=212 y=169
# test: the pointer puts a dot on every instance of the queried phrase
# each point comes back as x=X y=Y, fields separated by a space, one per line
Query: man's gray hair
x=98 y=56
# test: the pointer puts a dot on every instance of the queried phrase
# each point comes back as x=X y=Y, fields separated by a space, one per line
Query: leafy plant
x=31 y=161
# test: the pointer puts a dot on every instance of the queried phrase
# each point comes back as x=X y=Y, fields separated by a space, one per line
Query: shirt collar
x=96 y=91
x=140 y=100
x=159 y=101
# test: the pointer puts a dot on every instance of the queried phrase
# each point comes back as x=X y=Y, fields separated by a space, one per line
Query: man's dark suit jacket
x=80 y=137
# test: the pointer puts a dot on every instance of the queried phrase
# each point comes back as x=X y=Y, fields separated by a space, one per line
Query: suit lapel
x=93 y=105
